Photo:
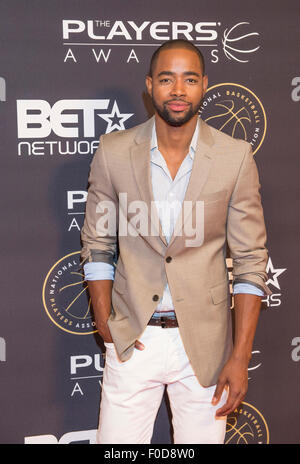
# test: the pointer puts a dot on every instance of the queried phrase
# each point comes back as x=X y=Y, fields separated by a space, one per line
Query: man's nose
x=178 y=88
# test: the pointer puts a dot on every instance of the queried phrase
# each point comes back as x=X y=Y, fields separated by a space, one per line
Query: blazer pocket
x=119 y=283
x=212 y=197
x=219 y=292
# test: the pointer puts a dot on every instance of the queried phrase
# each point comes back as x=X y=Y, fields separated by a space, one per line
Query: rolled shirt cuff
x=247 y=288
x=99 y=271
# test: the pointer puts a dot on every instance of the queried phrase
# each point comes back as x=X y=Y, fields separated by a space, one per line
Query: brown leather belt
x=163 y=322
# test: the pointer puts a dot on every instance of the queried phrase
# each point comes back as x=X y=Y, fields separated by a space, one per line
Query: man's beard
x=178 y=121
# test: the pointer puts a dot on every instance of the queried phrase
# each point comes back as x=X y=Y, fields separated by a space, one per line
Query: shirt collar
x=193 y=144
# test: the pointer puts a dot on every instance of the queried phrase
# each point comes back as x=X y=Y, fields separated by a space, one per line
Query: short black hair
x=177 y=43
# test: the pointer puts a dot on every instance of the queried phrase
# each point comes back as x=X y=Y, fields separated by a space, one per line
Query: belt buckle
x=163 y=322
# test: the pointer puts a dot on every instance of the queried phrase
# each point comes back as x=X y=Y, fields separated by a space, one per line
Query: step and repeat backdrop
x=72 y=70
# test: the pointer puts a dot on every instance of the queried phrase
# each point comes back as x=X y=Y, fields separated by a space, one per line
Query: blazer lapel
x=199 y=175
x=140 y=159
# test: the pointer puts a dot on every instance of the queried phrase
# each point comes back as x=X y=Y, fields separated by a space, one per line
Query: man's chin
x=178 y=122
x=175 y=121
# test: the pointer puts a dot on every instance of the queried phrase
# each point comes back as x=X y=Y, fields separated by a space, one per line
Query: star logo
x=275 y=274
x=115 y=119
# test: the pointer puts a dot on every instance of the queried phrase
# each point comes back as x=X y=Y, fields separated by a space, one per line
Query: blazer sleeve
x=99 y=231
x=246 y=232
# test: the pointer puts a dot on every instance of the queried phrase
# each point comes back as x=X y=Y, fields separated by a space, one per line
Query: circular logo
x=65 y=296
x=246 y=425
x=237 y=111
x=243 y=44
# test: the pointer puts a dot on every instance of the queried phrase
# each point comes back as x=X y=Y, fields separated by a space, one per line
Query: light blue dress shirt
x=168 y=195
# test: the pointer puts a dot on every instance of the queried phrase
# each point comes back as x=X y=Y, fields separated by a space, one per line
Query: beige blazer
x=224 y=176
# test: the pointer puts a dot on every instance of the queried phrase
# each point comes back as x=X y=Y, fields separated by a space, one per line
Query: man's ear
x=149 y=85
x=205 y=83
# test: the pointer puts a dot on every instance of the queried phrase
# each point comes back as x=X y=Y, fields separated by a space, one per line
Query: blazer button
x=168 y=259
x=155 y=297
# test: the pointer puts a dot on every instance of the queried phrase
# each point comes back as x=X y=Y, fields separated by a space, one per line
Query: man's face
x=177 y=86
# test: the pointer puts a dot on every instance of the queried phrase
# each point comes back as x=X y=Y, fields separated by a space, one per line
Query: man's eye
x=165 y=80
x=192 y=81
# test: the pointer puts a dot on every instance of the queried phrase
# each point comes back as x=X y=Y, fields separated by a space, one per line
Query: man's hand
x=107 y=338
x=234 y=376
x=104 y=332
x=139 y=345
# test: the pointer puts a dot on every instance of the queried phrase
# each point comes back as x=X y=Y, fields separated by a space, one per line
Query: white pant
x=132 y=392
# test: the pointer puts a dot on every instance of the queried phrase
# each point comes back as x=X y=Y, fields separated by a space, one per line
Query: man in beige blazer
x=164 y=311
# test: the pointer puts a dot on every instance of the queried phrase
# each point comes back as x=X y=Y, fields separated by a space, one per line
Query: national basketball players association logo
x=237 y=111
x=65 y=296
x=246 y=426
